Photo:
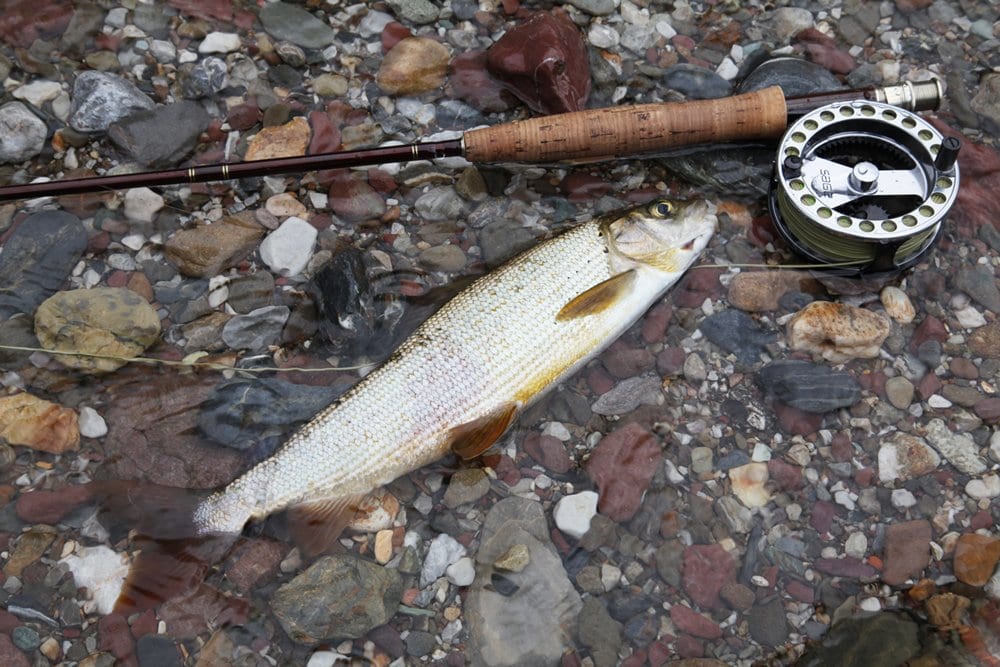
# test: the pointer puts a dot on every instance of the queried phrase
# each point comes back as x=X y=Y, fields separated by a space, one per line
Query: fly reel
x=864 y=185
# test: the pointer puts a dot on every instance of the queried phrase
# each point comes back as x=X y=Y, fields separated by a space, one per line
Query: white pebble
x=142 y=204
x=92 y=425
x=970 y=318
x=558 y=431
x=995 y=446
x=902 y=498
x=871 y=604
x=326 y=658
x=856 y=545
x=288 y=249
x=573 y=513
x=603 y=36
x=727 y=69
x=938 y=402
x=897 y=304
x=461 y=572
x=987 y=487
x=761 y=453
x=444 y=551
x=610 y=576
x=38 y=92
x=794 y=511
x=220 y=42
x=102 y=572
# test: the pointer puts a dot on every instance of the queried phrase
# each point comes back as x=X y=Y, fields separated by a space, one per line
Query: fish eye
x=661 y=209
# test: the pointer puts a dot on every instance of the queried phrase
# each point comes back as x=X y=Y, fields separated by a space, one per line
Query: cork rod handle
x=630 y=130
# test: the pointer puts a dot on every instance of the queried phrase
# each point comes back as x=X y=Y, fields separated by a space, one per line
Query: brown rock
x=207 y=250
x=256 y=562
x=30 y=421
x=51 y=506
x=550 y=452
x=985 y=341
x=708 y=568
x=107 y=325
x=756 y=291
x=689 y=621
x=837 y=332
x=30 y=546
x=907 y=551
x=622 y=465
x=10 y=655
x=413 y=66
x=976 y=558
x=288 y=140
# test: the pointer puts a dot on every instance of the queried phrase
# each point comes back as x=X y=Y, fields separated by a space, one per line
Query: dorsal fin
x=315 y=525
x=471 y=439
x=598 y=298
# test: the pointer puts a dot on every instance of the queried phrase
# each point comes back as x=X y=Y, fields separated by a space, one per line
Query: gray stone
x=980 y=285
x=204 y=78
x=502 y=239
x=443 y=258
x=294 y=24
x=100 y=99
x=340 y=597
x=628 y=395
x=867 y=640
x=767 y=623
x=251 y=291
x=600 y=633
x=958 y=448
x=735 y=331
x=809 y=387
x=594 y=7
x=444 y=551
x=466 y=486
x=415 y=11
x=22 y=133
x=519 y=618
x=257 y=329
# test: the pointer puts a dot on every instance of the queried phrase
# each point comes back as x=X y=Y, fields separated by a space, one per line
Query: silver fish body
x=476 y=363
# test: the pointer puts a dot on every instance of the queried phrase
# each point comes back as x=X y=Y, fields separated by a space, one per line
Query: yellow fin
x=471 y=439
x=315 y=525
x=598 y=298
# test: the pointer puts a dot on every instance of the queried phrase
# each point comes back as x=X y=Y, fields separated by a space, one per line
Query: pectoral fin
x=599 y=298
x=315 y=525
x=471 y=439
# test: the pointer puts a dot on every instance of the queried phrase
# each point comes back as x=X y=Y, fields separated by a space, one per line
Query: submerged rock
x=879 y=640
x=622 y=465
x=100 y=99
x=162 y=136
x=111 y=321
x=22 y=133
x=837 y=332
x=37 y=259
x=338 y=597
x=906 y=457
x=907 y=551
x=413 y=66
x=526 y=617
x=543 y=62
x=735 y=331
x=39 y=424
x=291 y=23
x=206 y=250
x=809 y=387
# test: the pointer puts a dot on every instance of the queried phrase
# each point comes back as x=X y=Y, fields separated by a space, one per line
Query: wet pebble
x=100 y=99
x=897 y=304
x=736 y=332
x=30 y=421
x=809 y=387
x=758 y=291
x=707 y=569
x=689 y=621
x=599 y=632
x=340 y=596
x=573 y=513
x=899 y=391
x=448 y=258
x=622 y=466
x=983 y=342
x=628 y=395
x=749 y=484
x=696 y=83
x=110 y=321
x=257 y=329
x=162 y=136
x=413 y=66
x=354 y=200
x=548 y=451
x=981 y=285
x=959 y=449
x=837 y=332
x=976 y=558
x=288 y=249
x=23 y=133
x=206 y=250
x=444 y=550
x=767 y=623
x=905 y=457
x=466 y=486
x=983 y=489
x=101 y=571
x=288 y=140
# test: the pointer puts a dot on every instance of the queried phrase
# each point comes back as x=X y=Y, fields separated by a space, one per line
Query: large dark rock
x=162 y=136
x=809 y=387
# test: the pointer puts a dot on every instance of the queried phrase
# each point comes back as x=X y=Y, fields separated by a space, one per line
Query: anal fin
x=598 y=298
x=315 y=525
x=471 y=439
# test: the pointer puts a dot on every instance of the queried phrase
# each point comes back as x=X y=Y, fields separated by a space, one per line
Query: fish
x=456 y=384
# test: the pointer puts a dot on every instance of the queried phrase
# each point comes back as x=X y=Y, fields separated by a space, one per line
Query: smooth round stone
x=415 y=65
x=22 y=133
x=25 y=638
x=92 y=425
x=899 y=391
x=573 y=513
x=288 y=249
x=443 y=258
x=289 y=22
x=330 y=85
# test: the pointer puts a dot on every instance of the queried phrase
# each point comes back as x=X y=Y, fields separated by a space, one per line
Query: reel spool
x=865 y=184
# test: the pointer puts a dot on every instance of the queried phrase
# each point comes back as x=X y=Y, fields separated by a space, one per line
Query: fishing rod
x=578 y=136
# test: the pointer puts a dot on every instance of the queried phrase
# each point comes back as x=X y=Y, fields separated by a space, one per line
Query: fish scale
x=497 y=343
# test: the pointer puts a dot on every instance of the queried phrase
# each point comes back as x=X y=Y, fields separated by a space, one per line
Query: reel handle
x=631 y=129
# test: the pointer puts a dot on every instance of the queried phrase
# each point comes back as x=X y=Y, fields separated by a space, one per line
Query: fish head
x=665 y=235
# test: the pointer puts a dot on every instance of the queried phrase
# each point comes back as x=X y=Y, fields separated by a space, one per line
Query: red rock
x=599 y=380
x=795 y=421
x=659 y=652
x=579 y=186
x=623 y=361
x=788 y=477
x=907 y=551
x=325 y=135
x=543 y=62
x=689 y=647
x=622 y=465
x=822 y=515
x=670 y=361
x=988 y=410
x=637 y=659
x=8 y=622
x=864 y=477
x=21 y=23
x=981 y=520
x=10 y=655
x=256 y=562
x=50 y=506
x=929 y=385
x=654 y=325
x=963 y=368
x=907 y=6
x=243 y=116
x=800 y=591
x=689 y=621
x=115 y=638
x=707 y=569
x=841 y=448
x=353 y=199
x=144 y=624
x=976 y=558
x=393 y=33
x=930 y=329
x=221 y=10
x=548 y=451
x=845 y=567
x=471 y=82
x=696 y=286
x=831 y=58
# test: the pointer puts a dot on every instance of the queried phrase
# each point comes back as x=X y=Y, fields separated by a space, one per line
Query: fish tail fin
x=174 y=553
